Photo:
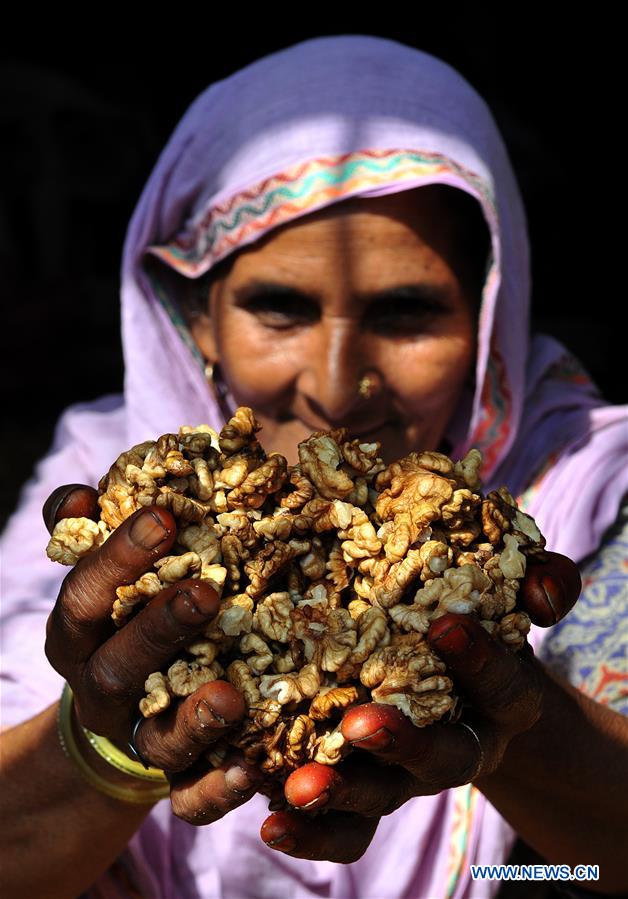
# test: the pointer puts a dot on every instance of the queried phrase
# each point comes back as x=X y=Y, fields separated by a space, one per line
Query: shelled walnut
x=332 y=570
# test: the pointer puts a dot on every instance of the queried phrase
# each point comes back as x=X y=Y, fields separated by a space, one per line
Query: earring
x=220 y=390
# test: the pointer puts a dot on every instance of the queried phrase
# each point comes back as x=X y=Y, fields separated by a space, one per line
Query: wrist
x=103 y=768
x=521 y=742
x=94 y=767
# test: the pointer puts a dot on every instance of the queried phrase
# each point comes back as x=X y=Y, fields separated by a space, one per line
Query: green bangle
x=120 y=760
x=115 y=791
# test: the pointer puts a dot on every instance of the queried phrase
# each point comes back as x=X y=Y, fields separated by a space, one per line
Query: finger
x=174 y=739
x=550 y=589
x=150 y=640
x=336 y=837
x=81 y=618
x=71 y=501
x=359 y=785
x=205 y=798
x=439 y=756
x=503 y=685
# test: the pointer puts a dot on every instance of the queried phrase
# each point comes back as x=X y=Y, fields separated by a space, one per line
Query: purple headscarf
x=294 y=132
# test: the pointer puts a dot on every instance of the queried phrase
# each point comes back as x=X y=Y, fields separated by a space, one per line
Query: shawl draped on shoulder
x=296 y=131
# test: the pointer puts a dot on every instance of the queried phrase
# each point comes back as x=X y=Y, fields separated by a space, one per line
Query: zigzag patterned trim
x=494 y=427
x=294 y=192
x=465 y=803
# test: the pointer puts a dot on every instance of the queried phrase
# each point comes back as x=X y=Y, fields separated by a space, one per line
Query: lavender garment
x=293 y=132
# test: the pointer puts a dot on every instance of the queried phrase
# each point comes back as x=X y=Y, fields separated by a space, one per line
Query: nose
x=330 y=376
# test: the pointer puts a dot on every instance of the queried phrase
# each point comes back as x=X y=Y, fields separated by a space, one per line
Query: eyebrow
x=425 y=292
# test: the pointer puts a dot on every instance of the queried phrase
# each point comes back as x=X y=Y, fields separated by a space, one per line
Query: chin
x=397 y=441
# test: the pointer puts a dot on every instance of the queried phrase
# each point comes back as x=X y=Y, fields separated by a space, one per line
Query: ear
x=203 y=335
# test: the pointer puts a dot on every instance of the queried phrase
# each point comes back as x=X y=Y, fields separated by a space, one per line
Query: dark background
x=81 y=127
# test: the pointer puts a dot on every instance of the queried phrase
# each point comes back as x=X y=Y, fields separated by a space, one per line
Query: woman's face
x=366 y=287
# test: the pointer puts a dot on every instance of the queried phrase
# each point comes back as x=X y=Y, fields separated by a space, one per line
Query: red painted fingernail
x=553 y=596
x=207 y=716
x=278 y=831
x=451 y=637
x=311 y=785
x=148 y=531
x=319 y=802
x=460 y=640
x=375 y=742
x=193 y=602
x=285 y=843
x=224 y=702
x=550 y=589
x=537 y=602
x=70 y=501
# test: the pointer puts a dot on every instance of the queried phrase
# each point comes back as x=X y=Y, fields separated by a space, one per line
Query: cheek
x=258 y=367
x=429 y=376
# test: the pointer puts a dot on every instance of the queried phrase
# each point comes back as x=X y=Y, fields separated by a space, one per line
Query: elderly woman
x=334 y=237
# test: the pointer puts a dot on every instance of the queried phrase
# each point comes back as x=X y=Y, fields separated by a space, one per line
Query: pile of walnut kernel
x=330 y=573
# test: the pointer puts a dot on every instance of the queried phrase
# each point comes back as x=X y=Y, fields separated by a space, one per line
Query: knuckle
x=79 y=593
x=515 y=700
x=52 y=646
x=155 y=637
x=189 y=737
x=161 y=754
x=190 y=729
x=193 y=812
x=174 y=746
x=103 y=681
x=104 y=568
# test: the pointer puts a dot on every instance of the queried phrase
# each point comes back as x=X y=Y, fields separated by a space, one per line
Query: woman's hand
x=107 y=667
x=503 y=692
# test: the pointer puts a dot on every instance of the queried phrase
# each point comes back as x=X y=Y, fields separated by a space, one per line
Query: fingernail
x=550 y=589
x=375 y=742
x=207 y=716
x=193 y=603
x=285 y=843
x=461 y=640
x=553 y=598
x=70 y=501
x=318 y=802
x=147 y=531
x=238 y=780
x=452 y=639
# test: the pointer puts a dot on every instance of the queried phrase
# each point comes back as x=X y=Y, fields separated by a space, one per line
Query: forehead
x=409 y=222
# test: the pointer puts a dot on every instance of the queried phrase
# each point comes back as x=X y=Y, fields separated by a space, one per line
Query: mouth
x=368 y=434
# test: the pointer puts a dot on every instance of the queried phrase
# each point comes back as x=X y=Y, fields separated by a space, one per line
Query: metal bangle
x=480 y=761
x=120 y=760
x=71 y=749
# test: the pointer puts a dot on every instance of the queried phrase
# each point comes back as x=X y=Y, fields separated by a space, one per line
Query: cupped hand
x=396 y=761
x=107 y=667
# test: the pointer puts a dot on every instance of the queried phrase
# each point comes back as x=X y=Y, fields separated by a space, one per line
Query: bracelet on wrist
x=120 y=760
x=140 y=794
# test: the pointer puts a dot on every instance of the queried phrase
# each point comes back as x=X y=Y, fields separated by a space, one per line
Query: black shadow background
x=81 y=127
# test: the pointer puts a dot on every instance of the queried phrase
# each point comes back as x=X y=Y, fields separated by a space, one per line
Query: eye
x=401 y=317
x=280 y=311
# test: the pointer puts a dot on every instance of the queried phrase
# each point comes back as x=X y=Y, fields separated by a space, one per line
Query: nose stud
x=367 y=386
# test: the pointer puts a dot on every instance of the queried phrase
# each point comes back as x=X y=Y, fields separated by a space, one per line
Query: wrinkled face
x=366 y=287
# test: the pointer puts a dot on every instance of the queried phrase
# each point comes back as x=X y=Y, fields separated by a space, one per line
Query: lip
x=365 y=435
